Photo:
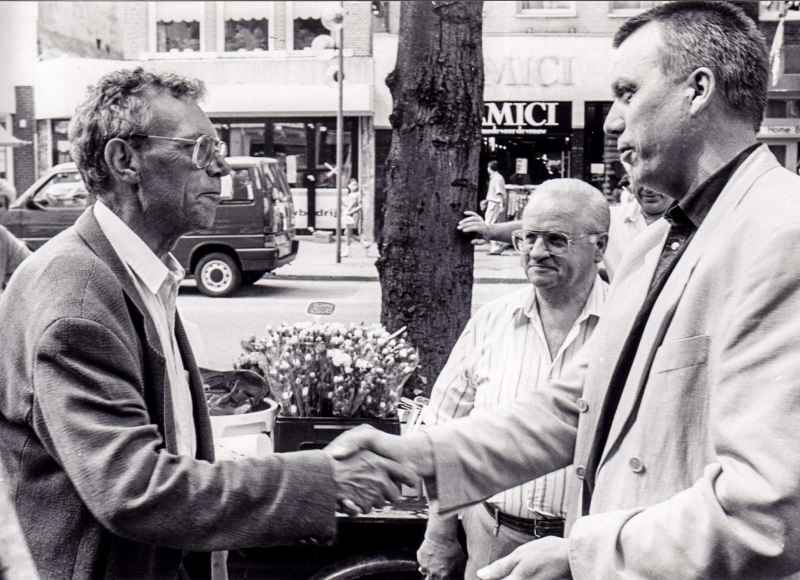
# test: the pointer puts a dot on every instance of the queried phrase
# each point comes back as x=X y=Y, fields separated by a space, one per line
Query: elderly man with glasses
x=103 y=423
x=511 y=348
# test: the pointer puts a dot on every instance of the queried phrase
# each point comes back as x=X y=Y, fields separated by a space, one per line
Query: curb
x=367 y=278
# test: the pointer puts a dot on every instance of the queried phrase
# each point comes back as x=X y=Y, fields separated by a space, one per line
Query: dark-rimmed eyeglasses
x=556 y=242
x=206 y=147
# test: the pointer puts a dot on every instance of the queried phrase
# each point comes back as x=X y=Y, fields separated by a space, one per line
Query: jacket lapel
x=154 y=373
x=202 y=422
x=712 y=229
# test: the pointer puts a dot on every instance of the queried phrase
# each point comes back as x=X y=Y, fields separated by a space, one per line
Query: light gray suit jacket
x=700 y=476
x=87 y=433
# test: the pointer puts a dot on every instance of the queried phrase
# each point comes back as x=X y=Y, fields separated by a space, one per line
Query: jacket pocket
x=682 y=353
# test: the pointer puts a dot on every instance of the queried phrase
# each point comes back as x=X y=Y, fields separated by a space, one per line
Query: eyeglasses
x=206 y=147
x=555 y=242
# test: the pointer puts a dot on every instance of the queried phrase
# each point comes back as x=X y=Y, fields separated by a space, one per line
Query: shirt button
x=636 y=465
x=674 y=246
x=580 y=471
x=582 y=405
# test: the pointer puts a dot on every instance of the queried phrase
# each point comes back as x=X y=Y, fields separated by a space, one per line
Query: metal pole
x=339 y=140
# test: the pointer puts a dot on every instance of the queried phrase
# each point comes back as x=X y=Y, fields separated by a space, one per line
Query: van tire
x=218 y=275
x=252 y=276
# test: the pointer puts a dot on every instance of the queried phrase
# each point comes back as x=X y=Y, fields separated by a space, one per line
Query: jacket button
x=582 y=405
x=580 y=471
x=636 y=465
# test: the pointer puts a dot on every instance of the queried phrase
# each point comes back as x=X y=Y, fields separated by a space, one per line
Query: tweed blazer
x=87 y=434
x=700 y=475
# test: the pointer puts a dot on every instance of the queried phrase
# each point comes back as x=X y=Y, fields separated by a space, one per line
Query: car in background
x=253 y=232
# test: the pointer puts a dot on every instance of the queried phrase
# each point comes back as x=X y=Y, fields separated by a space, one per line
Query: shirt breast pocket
x=682 y=353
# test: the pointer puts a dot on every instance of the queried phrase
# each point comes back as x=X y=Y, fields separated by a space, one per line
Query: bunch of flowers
x=323 y=370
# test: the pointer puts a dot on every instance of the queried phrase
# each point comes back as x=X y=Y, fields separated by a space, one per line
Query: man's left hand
x=544 y=559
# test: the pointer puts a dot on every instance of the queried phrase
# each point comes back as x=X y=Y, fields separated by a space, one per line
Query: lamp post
x=334 y=21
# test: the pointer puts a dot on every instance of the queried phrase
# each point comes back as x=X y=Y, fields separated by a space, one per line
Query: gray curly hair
x=118 y=106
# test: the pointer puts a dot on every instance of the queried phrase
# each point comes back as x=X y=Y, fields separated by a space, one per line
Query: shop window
x=177 y=26
x=380 y=16
x=791 y=59
x=247 y=25
x=625 y=9
x=555 y=8
x=307 y=23
x=60 y=141
x=783 y=109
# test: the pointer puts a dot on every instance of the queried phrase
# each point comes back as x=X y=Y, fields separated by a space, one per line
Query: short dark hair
x=118 y=106
x=493 y=165
x=717 y=35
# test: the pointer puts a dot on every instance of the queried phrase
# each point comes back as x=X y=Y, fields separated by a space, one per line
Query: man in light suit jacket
x=103 y=425
x=681 y=420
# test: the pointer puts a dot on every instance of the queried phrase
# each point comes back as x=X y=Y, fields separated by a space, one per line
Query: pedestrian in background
x=495 y=204
x=351 y=210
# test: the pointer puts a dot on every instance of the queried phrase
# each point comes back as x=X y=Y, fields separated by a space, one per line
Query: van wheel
x=218 y=275
x=251 y=277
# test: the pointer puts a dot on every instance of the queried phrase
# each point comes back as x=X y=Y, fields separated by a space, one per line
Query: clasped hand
x=368 y=467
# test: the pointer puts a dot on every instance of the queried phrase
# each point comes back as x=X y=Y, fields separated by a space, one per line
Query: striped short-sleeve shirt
x=501 y=356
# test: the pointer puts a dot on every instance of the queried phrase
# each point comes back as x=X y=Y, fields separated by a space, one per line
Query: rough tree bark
x=426 y=266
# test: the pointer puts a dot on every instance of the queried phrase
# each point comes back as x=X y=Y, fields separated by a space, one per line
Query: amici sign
x=527 y=118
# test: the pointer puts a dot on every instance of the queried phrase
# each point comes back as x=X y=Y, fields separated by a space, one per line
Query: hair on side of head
x=717 y=35
x=117 y=106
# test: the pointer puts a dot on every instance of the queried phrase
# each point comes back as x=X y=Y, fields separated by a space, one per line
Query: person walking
x=495 y=204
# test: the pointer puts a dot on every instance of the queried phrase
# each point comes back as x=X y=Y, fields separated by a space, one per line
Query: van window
x=238 y=187
x=63 y=191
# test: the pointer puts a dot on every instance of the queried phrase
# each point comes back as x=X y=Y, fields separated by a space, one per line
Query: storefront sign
x=544 y=71
x=526 y=118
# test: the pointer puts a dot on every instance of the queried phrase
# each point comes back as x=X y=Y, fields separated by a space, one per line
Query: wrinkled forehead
x=553 y=211
x=177 y=115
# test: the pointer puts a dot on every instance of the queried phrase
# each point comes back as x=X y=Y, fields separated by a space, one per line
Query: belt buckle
x=536 y=533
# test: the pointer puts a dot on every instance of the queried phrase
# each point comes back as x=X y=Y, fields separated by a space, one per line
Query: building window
x=783 y=109
x=555 y=8
x=307 y=23
x=60 y=141
x=626 y=9
x=177 y=26
x=380 y=16
x=246 y=25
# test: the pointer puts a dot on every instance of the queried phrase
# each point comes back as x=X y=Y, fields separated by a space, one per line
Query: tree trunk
x=426 y=265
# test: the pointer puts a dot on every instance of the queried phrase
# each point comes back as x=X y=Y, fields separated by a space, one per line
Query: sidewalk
x=317 y=261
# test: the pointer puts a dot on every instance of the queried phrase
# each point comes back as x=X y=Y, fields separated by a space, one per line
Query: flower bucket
x=303 y=433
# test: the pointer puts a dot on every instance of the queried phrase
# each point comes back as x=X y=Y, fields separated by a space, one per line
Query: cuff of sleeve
x=593 y=549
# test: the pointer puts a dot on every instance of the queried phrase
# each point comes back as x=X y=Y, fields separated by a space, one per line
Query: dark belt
x=538 y=528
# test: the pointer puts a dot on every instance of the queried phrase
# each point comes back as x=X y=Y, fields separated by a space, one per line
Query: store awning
x=8 y=140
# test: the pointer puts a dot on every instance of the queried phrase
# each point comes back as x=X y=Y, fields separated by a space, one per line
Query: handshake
x=369 y=466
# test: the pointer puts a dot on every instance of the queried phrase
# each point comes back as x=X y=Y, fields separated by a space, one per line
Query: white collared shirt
x=627 y=222
x=501 y=356
x=157 y=282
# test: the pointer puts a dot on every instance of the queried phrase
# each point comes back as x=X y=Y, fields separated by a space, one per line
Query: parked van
x=253 y=232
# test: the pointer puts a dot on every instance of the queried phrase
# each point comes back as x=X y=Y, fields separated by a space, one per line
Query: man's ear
x=122 y=161
x=600 y=246
x=701 y=86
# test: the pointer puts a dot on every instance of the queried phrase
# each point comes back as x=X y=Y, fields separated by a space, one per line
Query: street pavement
x=317 y=261
x=216 y=326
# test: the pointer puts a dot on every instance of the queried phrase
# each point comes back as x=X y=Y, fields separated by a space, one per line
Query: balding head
x=581 y=204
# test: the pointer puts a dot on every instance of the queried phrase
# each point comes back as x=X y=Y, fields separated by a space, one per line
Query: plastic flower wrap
x=323 y=370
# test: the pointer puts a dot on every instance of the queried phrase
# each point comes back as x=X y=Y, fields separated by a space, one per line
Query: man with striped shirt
x=510 y=348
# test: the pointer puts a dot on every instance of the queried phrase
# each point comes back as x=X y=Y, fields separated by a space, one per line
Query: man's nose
x=539 y=249
x=614 y=123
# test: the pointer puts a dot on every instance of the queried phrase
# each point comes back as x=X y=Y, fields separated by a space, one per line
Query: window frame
x=767 y=15
x=623 y=12
x=220 y=24
x=152 y=33
x=570 y=12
